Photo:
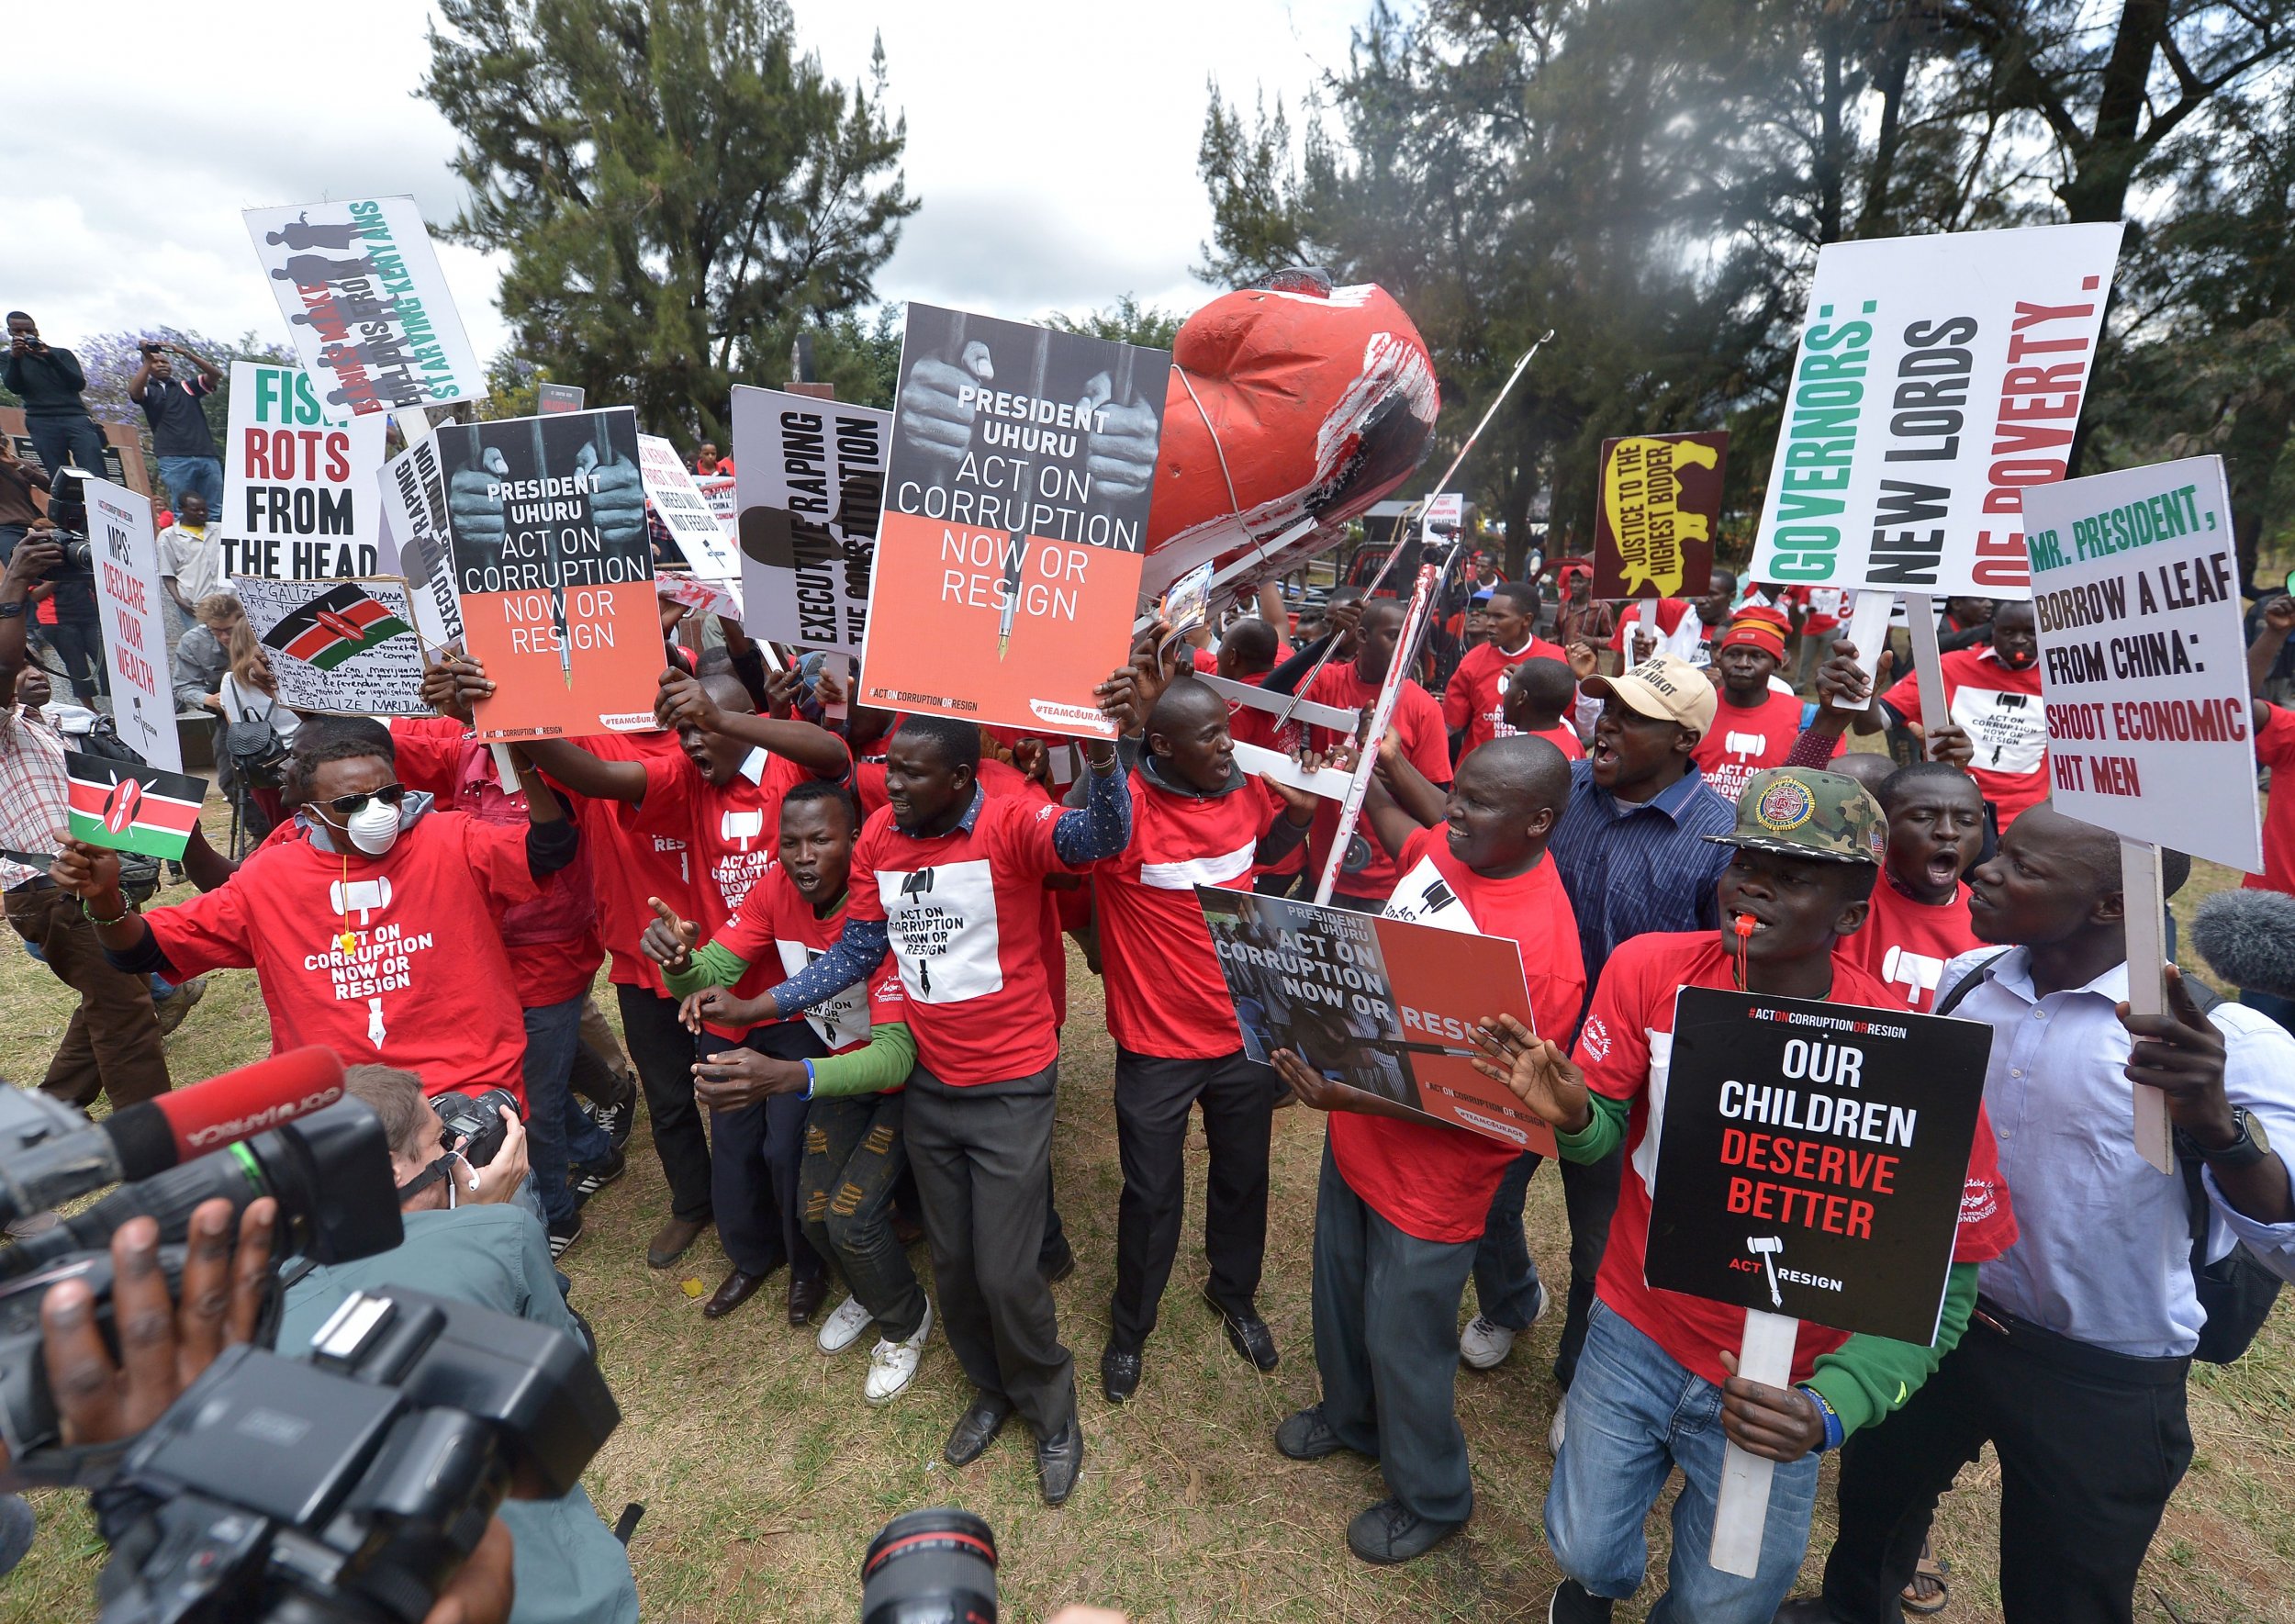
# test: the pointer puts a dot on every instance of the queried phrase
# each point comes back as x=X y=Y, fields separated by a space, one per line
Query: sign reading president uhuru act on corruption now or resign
x=1015 y=519
x=1938 y=379
x=2144 y=658
x=299 y=497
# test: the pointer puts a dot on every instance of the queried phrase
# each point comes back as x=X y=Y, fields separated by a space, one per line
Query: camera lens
x=936 y=1566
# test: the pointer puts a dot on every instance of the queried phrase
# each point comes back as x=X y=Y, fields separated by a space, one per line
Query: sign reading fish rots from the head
x=1938 y=379
x=299 y=497
x=1016 y=516
x=553 y=571
x=1661 y=502
x=1812 y=1159
x=130 y=807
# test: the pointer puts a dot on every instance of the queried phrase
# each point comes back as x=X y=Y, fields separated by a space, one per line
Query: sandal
x=1928 y=1592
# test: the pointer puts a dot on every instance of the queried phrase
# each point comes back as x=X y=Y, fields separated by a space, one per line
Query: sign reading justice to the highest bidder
x=1812 y=1159
x=1661 y=502
x=1015 y=519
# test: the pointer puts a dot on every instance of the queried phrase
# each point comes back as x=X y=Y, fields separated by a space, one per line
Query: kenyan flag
x=130 y=807
x=333 y=626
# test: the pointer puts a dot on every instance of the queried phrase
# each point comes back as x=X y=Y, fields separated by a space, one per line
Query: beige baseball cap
x=1666 y=687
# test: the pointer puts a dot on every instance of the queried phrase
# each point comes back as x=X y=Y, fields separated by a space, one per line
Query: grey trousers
x=983 y=1156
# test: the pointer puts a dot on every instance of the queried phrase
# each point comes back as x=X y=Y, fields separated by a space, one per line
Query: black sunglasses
x=351 y=806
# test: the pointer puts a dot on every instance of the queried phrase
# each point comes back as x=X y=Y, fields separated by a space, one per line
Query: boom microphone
x=50 y=1153
x=2248 y=938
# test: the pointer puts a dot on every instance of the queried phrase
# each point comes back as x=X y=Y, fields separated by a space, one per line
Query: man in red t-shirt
x=1656 y=1376
x=1540 y=698
x=1755 y=725
x=1401 y=1204
x=1992 y=694
x=952 y=880
x=1920 y=919
x=1472 y=701
x=1682 y=627
x=719 y=798
x=1196 y=820
x=376 y=935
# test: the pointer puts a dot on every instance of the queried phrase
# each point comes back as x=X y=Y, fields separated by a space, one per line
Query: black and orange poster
x=1660 y=504
x=554 y=572
x=1015 y=518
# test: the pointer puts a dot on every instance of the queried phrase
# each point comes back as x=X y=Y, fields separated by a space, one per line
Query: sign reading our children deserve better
x=1938 y=379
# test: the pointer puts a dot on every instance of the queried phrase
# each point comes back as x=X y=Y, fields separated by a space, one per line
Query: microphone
x=2248 y=938
x=50 y=1153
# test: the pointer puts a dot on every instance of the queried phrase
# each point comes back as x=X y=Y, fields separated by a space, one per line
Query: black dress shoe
x=1057 y=1268
x=732 y=1291
x=806 y=1293
x=1247 y=1334
x=1059 y=1461
x=1307 y=1435
x=976 y=1429
x=1389 y=1532
x=1119 y=1372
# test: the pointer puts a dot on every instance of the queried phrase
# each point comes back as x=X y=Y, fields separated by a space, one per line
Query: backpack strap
x=1968 y=984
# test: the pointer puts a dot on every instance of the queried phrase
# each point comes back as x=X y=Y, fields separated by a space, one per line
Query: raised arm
x=685 y=701
x=2279 y=619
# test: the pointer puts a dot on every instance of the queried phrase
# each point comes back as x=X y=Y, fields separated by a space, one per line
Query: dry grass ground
x=763 y=1474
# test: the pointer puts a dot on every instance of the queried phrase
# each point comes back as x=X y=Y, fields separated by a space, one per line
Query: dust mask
x=374 y=828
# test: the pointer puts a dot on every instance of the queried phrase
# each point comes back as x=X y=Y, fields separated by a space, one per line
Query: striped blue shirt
x=1631 y=869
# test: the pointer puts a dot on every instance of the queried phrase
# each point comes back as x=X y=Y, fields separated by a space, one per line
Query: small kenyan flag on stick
x=333 y=626
x=130 y=807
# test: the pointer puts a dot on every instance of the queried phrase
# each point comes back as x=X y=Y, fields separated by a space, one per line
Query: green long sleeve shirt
x=1866 y=1379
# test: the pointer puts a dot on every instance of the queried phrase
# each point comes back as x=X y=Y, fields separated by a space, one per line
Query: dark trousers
x=80 y=646
x=754 y=1157
x=1153 y=1098
x=1387 y=1342
x=112 y=1045
x=1506 y=1279
x=53 y=437
x=983 y=1156
x=661 y=1050
x=2091 y=1445
x=855 y=1154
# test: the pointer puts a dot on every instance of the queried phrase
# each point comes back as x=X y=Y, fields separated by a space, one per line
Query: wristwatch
x=2248 y=1144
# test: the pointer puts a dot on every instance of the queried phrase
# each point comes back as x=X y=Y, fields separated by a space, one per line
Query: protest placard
x=550 y=400
x=1660 y=505
x=416 y=541
x=344 y=646
x=810 y=478
x=719 y=491
x=129 y=599
x=1016 y=513
x=2142 y=657
x=299 y=497
x=146 y=810
x=1940 y=377
x=366 y=304
x=1811 y=1158
x=555 y=571
x=1382 y=1006
x=701 y=542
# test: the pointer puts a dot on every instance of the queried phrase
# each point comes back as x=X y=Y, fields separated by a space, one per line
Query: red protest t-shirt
x=1166 y=996
x=965 y=914
x=1001 y=777
x=1825 y=607
x=778 y=932
x=1743 y=741
x=1367 y=870
x=631 y=865
x=1906 y=944
x=1625 y=1049
x=733 y=828
x=2275 y=748
x=1999 y=709
x=428 y=986
x=1428 y=1179
x=1472 y=700
x=1562 y=737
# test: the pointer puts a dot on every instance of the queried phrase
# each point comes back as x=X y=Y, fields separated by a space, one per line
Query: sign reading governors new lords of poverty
x=2144 y=658
x=1811 y=1158
x=299 y=497
x=1938 y=379
x=1660 y=503
x=1015 y=519
x=361 y=289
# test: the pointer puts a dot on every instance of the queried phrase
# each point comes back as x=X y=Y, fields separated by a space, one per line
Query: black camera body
x=476 y=1120
x=350 y=1485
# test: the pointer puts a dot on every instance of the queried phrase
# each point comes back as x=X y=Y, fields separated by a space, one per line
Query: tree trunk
x=2105 y=164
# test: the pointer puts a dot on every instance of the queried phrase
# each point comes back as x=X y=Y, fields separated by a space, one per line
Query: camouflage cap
x=1799 y=811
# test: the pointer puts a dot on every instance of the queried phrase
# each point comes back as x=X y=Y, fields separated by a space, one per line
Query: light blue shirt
x=2103 y=1249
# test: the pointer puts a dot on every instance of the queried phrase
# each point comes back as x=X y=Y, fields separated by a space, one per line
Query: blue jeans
x=1635 y=1415
x=558 y=1131
x=185 y=475
x=55 y=439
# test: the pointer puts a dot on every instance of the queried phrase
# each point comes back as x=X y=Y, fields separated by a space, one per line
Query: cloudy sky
x=1053 y=145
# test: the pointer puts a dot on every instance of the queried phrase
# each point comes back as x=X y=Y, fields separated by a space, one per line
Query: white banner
x=708 y=551
x=1938 y=379
x=366 y=304
x=2142 y=658
x=717 y=490
x=810 y=477
x=416 y=541
x=299 y=501
x=130 y=599
x=345 y=646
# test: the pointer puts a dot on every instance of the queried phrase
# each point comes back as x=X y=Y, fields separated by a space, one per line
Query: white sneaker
x=1484 y=1346
x=1553 y=1433
x=843 y=1327
x=1545 y=1301
x=892 y=1365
